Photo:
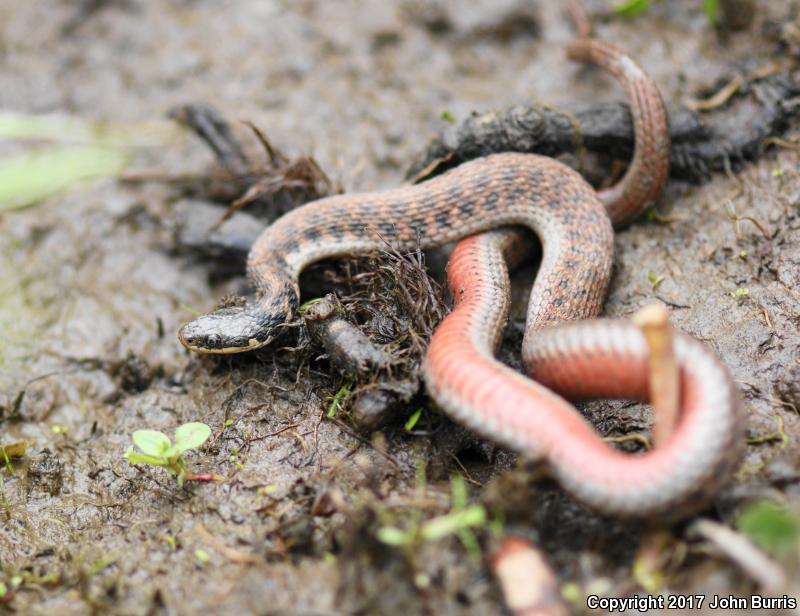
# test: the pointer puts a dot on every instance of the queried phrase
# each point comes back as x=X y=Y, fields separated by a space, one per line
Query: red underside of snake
x=590 y=359
x=581 y=360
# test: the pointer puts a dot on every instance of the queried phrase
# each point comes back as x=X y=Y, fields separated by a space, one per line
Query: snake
x=481 y=200
x=586 y=359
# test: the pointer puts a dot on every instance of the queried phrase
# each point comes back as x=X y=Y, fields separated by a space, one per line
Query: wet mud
x=94 y=285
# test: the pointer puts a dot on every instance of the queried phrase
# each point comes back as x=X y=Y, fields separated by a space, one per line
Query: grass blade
x=29 y=178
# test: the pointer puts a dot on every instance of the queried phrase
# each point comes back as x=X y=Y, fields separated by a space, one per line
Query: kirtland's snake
x=588 y=359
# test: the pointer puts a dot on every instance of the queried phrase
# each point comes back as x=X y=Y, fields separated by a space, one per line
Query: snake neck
x=277 y=294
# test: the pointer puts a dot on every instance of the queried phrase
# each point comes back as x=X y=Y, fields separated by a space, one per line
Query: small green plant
x=773 y=527
x=631 y=8
x=460 y=521
x=655 y=279
x=156 y=449
x=414 y=419
x=336 y=402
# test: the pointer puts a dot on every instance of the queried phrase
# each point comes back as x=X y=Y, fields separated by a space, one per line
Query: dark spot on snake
x=518 y=193
x=289 y=246
x=467 y=207
x=420 y=225
x=356 y=228
x=387 y=228
x=280 y=260
x=311 y=234
x=492 y=199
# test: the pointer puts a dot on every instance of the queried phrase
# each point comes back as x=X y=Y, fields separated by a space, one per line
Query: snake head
x=229 y=330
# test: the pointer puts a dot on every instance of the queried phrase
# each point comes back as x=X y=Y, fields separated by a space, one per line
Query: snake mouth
x=214 y=344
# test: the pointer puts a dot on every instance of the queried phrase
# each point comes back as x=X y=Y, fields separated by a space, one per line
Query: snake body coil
x=590 y=359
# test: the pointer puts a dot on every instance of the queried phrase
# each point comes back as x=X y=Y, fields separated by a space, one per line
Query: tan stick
x=530 y=587
x=653 y=320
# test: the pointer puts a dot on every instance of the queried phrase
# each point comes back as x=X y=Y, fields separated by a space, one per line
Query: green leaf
x=445 y=525
x=710 y=8
x=631 y=8
x=151 y=442
x=139 y=458
x=189 y=436
x=655 y=279
x=412 y=421
x=771 y=526
x=458 y=488
x=391 y=535
x=336 y=403
x=63 y=129
x=306 y=305
x=31 y=177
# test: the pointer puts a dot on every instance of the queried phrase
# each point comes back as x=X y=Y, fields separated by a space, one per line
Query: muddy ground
x=92 y=292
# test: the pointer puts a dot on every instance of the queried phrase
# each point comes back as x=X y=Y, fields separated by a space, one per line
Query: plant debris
x=736 y=130
x=376 y=333
x=268 y=188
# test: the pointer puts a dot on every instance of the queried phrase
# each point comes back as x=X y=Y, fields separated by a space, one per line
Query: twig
x=757 y=565
x=653 y=320
x=529 y=585
x=232 y=555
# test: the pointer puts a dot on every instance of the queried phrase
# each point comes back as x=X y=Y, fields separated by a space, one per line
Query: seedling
x=655 y=279
x=336 y=403
x=460 y=521
x=414 y=419
x=630 y=8
x=157 y=450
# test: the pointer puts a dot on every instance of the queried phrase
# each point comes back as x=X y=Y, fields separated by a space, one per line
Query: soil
x=92 y=291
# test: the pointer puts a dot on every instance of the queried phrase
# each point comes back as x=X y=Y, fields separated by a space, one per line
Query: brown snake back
x=649 y=166
x=503 y=189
